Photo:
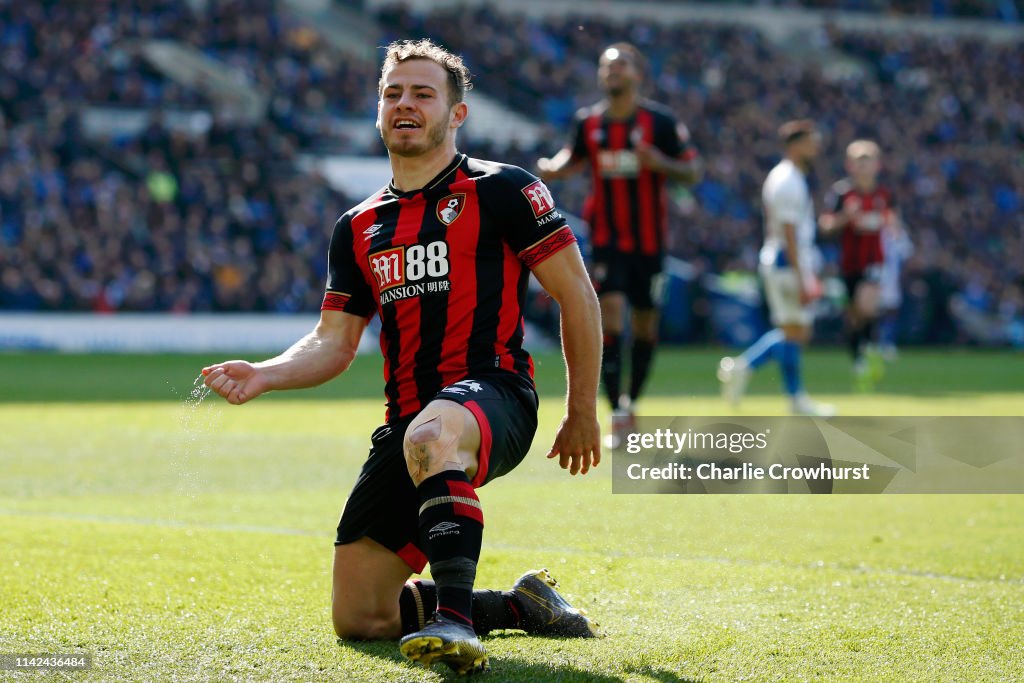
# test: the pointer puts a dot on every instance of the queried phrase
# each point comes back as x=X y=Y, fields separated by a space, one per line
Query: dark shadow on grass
x=504 y=668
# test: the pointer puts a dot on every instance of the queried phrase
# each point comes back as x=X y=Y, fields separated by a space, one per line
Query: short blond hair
x=863 y=148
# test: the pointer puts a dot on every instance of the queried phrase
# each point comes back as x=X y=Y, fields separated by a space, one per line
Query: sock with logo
x=451 y=533
x=641 y=357
x=611 y=368
x=492 y=610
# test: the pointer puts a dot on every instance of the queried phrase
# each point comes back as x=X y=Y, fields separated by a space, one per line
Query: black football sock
x=853 y=342
x=492 y=610
x=416 y=604
x=640 y=366
x=867 y=333
x=451 y=532
x=611 y=368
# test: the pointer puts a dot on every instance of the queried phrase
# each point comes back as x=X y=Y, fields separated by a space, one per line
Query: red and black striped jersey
x=861 y=245
x=446 y=267
x=627 y=206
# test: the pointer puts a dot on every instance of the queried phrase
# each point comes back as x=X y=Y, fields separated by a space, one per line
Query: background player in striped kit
x=632 y=147
x=789 y=264
x=861 y=210
x=443 y=255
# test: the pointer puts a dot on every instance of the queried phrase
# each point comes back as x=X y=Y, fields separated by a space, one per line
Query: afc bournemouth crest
x=450 y=208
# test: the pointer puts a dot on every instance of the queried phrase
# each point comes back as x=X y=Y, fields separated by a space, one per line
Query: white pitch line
x=284 y=531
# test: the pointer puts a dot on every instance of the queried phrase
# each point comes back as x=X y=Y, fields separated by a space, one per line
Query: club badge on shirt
x=450 y=208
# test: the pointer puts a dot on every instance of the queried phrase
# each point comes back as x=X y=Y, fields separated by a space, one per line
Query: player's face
x=809 y=146
x=863 y=168
x=413 y=114
x=616 y=72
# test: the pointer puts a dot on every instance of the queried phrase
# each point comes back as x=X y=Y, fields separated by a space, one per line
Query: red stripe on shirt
x=361 y=248
x=618 y=138
x=596 y=202
x=650 y=225
x=510 y=313
x=407 y=314
x=462 y=295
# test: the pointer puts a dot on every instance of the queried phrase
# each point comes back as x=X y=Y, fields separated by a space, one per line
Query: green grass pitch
x=177 y=541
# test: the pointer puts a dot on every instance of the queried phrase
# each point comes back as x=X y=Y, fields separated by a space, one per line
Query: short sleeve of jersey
x=529 y=220
x=580 y=150
x=788 y=200
x=834 y=197
x=673 y=138
x=347 y=290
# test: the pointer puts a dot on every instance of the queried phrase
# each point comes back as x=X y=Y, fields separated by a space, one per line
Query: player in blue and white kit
x=789 y=266
x=896 y=249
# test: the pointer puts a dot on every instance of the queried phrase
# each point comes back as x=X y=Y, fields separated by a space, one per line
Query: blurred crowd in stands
x=954 y=141
x=223 y=220
x=1002 y=10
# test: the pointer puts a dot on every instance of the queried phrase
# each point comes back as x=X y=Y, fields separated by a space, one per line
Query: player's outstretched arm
x=321 y=355
x=688 y=171
x=562 y=165
x=578 y=441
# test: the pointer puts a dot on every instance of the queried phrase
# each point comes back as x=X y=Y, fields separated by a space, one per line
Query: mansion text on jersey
x=407 y=291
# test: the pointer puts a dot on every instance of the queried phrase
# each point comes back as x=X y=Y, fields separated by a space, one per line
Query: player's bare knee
x=425 y=432
x=431 y=447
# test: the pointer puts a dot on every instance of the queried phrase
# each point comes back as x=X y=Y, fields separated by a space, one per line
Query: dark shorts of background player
x=873 y=274
x=635 y=275
x=384 y=506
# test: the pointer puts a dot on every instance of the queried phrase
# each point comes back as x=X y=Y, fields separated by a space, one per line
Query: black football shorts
x=383 y=504
x=638 y=276
x=872 y=274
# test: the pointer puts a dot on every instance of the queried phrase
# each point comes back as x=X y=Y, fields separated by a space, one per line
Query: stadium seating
x=220 y=218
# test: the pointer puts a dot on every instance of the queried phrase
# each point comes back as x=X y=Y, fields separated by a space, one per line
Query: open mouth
x=405 y=124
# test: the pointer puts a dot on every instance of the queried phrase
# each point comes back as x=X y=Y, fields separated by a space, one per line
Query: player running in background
x=789 y=264
x=632 y=146
x=443 y=255
x=896 y=249
x=861 y=210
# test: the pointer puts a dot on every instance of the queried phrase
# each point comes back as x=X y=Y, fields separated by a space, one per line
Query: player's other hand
x=811 y=290
x=650 y=157
x=577 y=444
x=828 y=222
x=237 y=381
x=547 y=169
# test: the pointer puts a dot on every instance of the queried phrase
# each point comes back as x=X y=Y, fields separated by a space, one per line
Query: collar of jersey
x=434 y=182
